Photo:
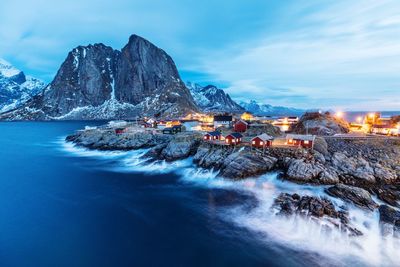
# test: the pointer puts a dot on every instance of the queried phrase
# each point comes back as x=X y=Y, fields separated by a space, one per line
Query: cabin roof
x=242 y=121
x=236 y=135
x=214 y=133
x=305 y=137
x=223 y=118
x=264 y=137
x=167 y=129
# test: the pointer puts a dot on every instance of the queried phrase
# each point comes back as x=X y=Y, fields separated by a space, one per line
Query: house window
x=261 y=143
x=306 y=142
x=254 y=142
x=290 y=141
x=233 y=140
x=215 y=137
x=205 y=137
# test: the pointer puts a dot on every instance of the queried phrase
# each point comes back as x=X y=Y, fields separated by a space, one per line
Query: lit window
x=215 y=137
x=254 y=142
x=261 y=143
x=290 y=141
x=227 y=141
x=205 y=137
x=306 y=142
x=233 y=140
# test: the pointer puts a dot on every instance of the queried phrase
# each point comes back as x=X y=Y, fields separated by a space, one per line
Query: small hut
x=306 y=141
x=262 y=141
x=233 y=138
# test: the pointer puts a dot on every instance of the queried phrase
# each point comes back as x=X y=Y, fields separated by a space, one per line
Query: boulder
x=390 y=220
x=320 y=124
x=354 y=170
x=289 y=205
x=244 y=163
x=355 y=195
x=310 y=172
x=179 y=149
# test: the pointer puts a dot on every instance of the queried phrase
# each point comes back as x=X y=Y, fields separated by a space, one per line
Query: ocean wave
x=298 y=232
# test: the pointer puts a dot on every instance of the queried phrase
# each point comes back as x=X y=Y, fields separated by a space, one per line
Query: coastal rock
x=321 y=208
x=208 y=156
x=353 y=170
x=244 y=164
x=356 y=195
x=180 y=148
x=301 y=171
x=390 y=220
x=106 y=139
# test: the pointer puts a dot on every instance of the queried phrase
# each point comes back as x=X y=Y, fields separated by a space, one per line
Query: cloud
x=331 y=54
x=340 y=54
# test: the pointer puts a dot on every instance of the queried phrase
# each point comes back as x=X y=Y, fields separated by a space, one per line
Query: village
x=260 y=133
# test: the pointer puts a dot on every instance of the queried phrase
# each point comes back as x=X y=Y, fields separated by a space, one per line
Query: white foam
x=300 y=233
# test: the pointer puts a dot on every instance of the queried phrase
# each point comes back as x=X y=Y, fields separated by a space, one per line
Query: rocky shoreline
x=357 y=171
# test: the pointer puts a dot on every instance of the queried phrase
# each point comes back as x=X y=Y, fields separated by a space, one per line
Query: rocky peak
x=98 y=82
x=211 y=98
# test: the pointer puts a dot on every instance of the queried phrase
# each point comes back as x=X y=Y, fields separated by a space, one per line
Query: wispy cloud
x=330 y=54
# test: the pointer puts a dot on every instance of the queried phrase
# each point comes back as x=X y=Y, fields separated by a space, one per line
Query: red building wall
x=240 y=127
x=258 y=143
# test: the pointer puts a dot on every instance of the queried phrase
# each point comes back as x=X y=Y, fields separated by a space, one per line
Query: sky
x=332 y=54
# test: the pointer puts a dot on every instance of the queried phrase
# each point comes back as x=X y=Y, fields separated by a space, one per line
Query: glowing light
x=339 y=114
x=371 y=115
x=359 y=119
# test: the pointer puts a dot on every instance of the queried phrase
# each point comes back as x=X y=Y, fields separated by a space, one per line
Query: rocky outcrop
x=356 y=195
x=390 y=220
x=244 y=164
x=107 y=139
x=320 y=208
x=320 y=124
x=309 y=172
x=98 y=82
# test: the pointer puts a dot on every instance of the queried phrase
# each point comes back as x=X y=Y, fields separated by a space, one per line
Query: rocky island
x=364 y=172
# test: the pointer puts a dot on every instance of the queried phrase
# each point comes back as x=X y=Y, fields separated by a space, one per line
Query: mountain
x=99 y=82
x=211 y=98
x=15 y=87
x=268 y=110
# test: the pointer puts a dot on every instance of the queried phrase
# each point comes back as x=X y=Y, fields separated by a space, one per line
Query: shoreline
x=335 y=164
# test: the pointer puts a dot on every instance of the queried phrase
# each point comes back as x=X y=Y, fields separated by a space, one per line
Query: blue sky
x=306 y=54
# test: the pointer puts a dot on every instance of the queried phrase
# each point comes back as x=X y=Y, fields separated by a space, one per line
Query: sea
x=62 y=205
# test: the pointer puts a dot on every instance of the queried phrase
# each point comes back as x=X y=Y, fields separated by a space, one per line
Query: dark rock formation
x=289 y=205
x=355 y=195
x=390 y=220
x=98 y=82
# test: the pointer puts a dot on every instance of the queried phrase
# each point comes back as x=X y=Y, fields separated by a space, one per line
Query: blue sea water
x=60 y=209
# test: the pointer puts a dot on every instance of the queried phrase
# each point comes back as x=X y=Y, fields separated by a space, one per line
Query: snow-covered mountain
x=269 y=110
x=211 y=98
x=15 y=87
x=99 y=82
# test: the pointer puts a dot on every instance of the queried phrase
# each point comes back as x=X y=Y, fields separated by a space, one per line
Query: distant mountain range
x=210 y=98
x=15 y=87
x=97 y=82
x=268 y=110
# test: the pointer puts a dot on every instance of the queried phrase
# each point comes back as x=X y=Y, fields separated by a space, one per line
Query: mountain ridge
x=99 y=82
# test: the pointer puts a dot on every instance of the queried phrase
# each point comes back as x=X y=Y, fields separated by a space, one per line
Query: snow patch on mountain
x=211 y=98
x=268 y=110
x=15 y=87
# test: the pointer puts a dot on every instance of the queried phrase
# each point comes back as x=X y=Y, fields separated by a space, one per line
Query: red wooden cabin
x=241 y=126
x=212 y=136
x=305 y=141
x=233 y=138
x=262 y=141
